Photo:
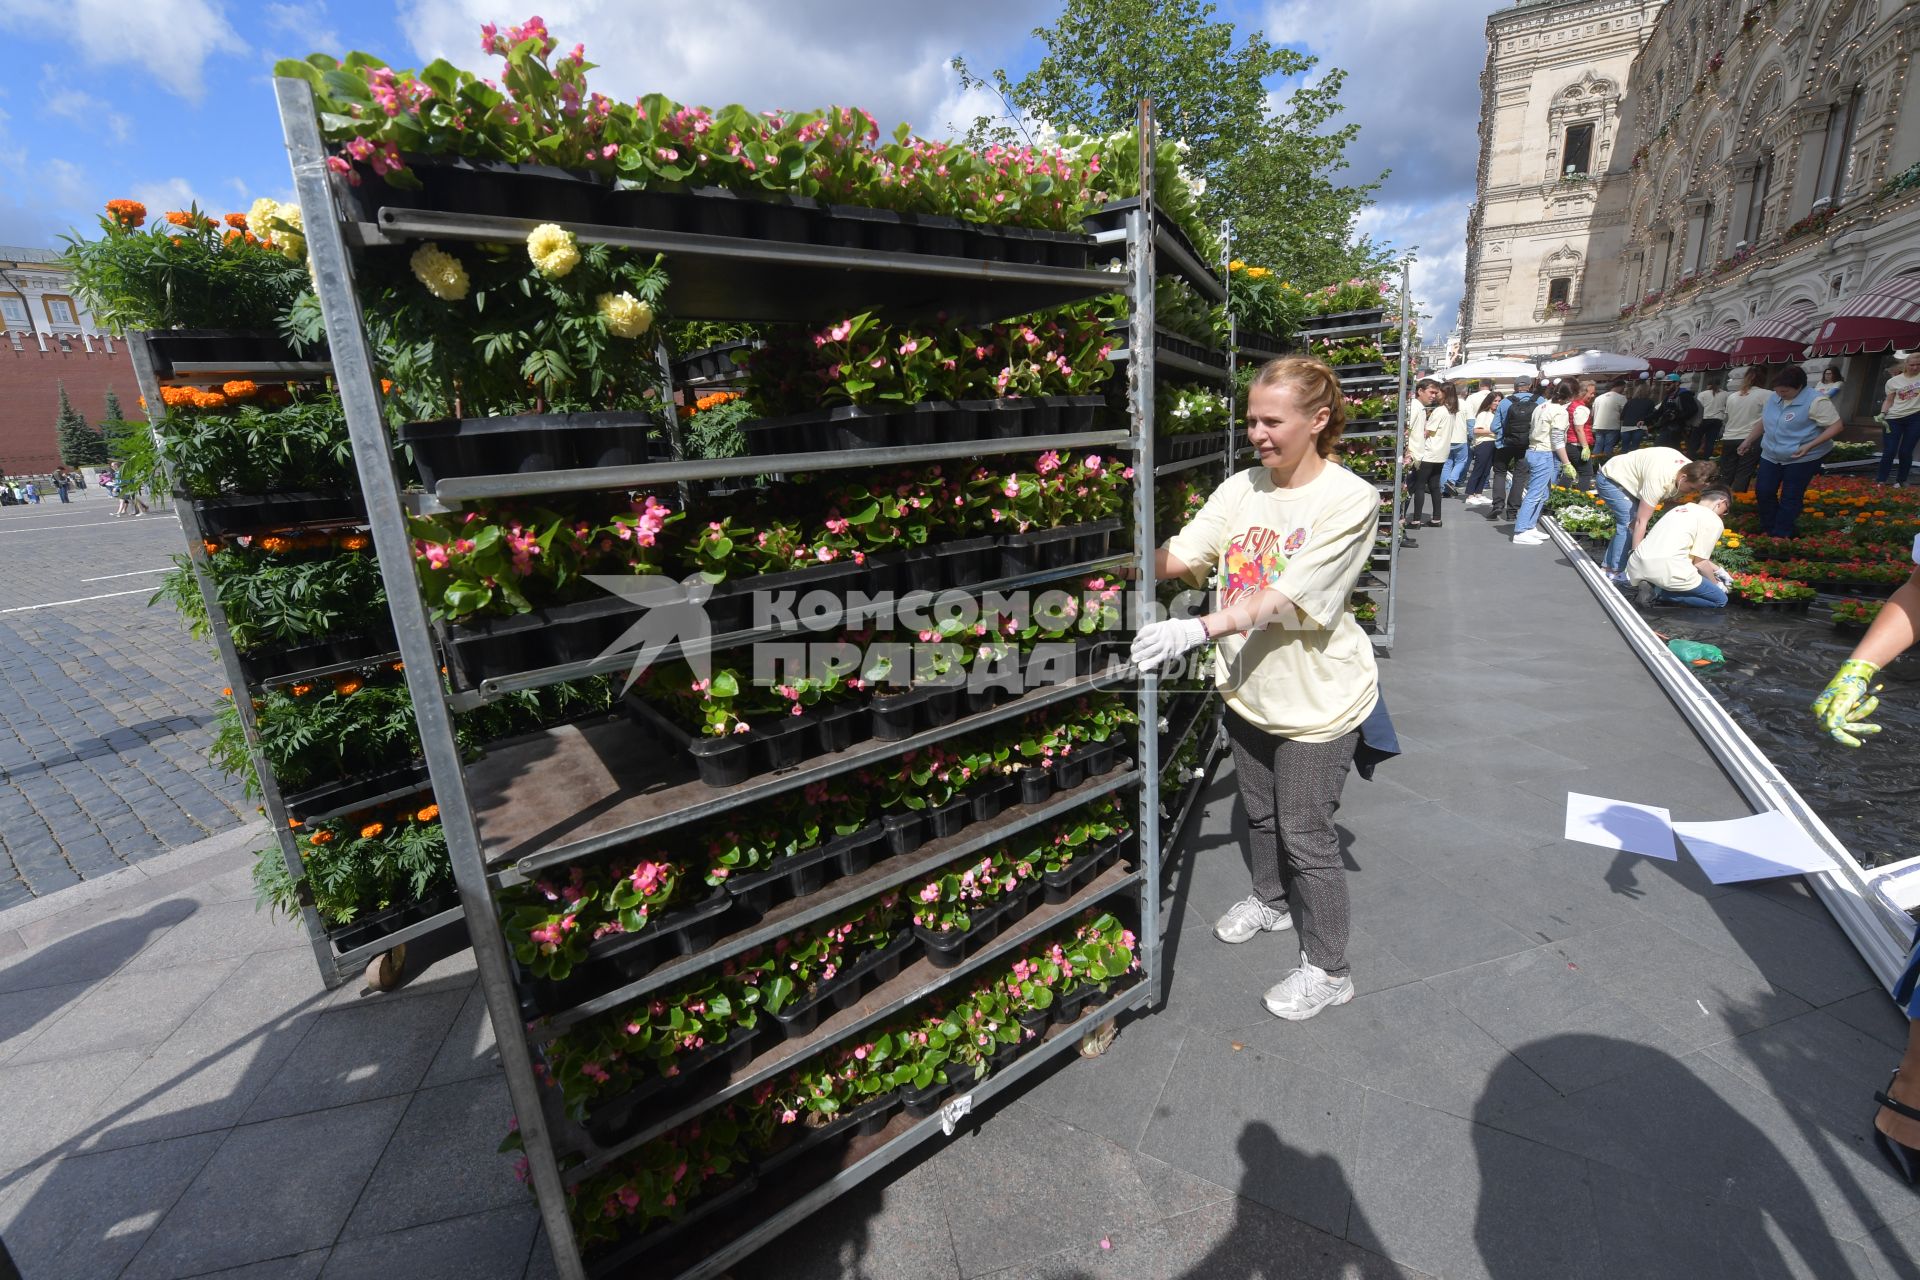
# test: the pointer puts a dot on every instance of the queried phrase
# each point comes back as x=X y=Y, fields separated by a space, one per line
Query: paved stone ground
x=106 y=706
x=1562 y=1063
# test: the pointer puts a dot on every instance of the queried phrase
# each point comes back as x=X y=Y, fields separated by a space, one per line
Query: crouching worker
x=1674 y=563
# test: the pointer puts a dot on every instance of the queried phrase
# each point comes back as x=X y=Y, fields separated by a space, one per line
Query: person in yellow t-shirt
x=1674 y=563
x=1287 y=541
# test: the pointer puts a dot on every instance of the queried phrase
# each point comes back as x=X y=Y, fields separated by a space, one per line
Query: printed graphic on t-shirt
x=1906 y=399
x=1255 y=560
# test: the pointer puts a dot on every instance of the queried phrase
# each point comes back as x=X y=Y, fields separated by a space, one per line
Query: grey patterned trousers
x=1290 y=790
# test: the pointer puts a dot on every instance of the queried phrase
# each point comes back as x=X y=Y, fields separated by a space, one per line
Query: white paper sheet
x=1753 y=848
x=1616 y=824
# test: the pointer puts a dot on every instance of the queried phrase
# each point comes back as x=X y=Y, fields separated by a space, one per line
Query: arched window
x=1559 y=291
x=1836 y=163
x=1576 y=155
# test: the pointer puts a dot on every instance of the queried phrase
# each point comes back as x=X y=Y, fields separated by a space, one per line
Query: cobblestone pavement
x=106 y=705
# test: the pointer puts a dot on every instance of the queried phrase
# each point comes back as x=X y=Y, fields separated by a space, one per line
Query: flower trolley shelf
x=699 y=926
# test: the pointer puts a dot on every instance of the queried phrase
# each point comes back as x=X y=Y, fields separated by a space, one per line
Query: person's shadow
x=34 y=989
x=1677 y=1182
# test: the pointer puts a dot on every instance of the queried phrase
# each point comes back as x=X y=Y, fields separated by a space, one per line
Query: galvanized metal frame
x=1142 y=247
x=329 y=237
x=335 y=969
x=1384 y=639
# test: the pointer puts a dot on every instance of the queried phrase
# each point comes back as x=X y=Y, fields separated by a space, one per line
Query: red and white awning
x=1887 y=315
x=1664 y=357
x=1709 y=350
x=1779 y=337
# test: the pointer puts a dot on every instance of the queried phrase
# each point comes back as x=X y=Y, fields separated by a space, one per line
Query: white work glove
x=1724 y=578
x=1161 y=642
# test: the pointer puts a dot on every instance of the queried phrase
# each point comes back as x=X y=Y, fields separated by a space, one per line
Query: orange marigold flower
x=273 y=543
x=179 y=217
x=429 y=813
x=238 y=221
x=227 y=692
x=176 y=241
x=128 y=213
x=213 y=548
x=302 y=690
x=354 y=541
x=230 y=238
x=386 y=385
x=240 y=390
x=352 y=684
x=175 y=396
x=209 y=400
x=399 y=666
x=320 y=837
x=293 y=822
x=371 y=830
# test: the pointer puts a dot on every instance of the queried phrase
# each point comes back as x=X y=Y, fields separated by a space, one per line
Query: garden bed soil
x=1776 y=665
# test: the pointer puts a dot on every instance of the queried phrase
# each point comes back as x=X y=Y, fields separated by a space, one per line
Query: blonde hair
x=1316 y=387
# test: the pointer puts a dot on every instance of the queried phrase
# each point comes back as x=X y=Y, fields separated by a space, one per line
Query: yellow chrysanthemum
x=441 y=272
x=552 y=250
x=626 y=315
x=260 y=217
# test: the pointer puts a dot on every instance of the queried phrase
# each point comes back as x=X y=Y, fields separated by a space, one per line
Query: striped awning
x=1887 y=315
x=1709 y=350
x=1664 y=357
x=1778 y=337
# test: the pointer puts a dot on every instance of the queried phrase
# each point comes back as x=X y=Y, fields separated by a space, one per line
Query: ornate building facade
x=1755 y=154
x=1774 y=160
x=1555 y=96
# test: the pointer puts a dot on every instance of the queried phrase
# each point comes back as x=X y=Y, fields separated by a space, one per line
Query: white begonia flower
x=440 y=272
x=553 y=250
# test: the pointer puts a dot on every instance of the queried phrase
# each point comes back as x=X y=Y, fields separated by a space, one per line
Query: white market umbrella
x=1492 y=369
x=1576 y=366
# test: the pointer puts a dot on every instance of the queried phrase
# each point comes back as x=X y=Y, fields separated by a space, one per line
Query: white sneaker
x=1248 y=917
x=1531 y=538
x=1306 y=991
x=1478 y=500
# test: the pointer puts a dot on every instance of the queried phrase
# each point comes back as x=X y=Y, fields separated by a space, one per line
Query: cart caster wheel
x=1098 y=1040
x=384 y=970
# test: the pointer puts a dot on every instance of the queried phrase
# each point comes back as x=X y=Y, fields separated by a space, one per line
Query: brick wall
x=32 y=371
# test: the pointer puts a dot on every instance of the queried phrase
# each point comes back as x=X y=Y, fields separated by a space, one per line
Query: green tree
x=113 y=409
x=79 y=443
x=1274 y=172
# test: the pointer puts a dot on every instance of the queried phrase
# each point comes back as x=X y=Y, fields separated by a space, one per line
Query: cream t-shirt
x=1649 y=474
x=1743 y=412
x=1549 y=419
x=1665 y=556
x=1905 y=393
x=1310 y=676
x=1431 y=436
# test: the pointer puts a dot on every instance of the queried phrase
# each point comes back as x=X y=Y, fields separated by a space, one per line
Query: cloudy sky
x=167 y=101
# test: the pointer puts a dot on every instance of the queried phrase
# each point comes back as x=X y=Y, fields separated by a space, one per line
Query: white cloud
x=28 y=194
x=1435 y=229
x=890 y=59
x=171 y=39
x=306 y=26
x=1413 y=87
x=173 y=193
x=59 y=98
